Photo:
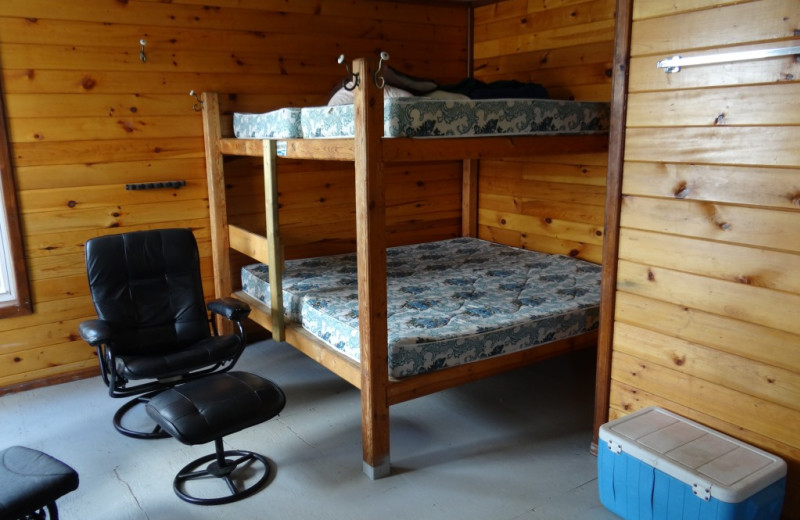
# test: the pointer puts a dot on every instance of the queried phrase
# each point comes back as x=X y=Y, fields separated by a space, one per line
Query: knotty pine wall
x=554 y=204
x=86 y=116
x=708 y=292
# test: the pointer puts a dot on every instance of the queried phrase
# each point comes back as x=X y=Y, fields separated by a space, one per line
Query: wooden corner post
x=217 y=207
x=371 y=254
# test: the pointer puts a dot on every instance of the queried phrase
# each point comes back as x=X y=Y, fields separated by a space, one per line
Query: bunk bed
x=369 y=367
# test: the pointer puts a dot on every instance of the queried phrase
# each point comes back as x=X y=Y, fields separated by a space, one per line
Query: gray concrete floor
x=515 y=446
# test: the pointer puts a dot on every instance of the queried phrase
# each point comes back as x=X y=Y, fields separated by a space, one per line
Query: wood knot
x=88 y=83
x=679 y=360
x=720 y=119
x=72 y=204
x=651 y=277
x=744 y=279
x=681 y=191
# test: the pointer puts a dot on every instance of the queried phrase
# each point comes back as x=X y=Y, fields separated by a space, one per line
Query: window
x=15 y=297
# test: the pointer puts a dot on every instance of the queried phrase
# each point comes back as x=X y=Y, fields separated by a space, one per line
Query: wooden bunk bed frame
x=369 y=151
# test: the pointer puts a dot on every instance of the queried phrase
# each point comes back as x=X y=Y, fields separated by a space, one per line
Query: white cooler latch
x=702 y=490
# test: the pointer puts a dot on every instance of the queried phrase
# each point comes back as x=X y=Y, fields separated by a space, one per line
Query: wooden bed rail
x=401 y=149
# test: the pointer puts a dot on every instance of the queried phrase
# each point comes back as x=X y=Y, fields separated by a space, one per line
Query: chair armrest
x=230 y=308
x=96 y=332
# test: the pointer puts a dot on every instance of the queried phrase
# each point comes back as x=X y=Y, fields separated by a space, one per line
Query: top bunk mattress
x=448 y=302
x=425 y=117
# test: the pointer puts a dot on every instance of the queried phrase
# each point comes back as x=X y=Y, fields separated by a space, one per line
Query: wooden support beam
x=273 y=239
x=371 y=255
x=217 y=207
x=469 y=198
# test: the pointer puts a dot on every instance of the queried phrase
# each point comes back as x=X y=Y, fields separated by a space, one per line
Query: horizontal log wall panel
x=754 y=266
x=764 y=187
x=723 y=333
x=752 y=304
x=644 y=76
x=759 y=415
x=86 y=117
x=718 y=145
x=719 y=222
x=553 y=204
x=739 y=106
x=766 y=20
x=708 y=291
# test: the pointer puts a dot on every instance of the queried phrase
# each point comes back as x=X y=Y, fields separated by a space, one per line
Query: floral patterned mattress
x=449 y=302
x=424 y=117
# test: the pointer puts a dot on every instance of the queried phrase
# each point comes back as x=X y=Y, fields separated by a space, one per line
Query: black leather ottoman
x=30 y=481
x=206 y=410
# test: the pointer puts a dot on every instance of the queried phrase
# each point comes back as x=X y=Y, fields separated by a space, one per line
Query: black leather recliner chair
x=153 y=330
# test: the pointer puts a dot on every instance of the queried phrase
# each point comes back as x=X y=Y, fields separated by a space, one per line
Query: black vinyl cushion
x=30 y=480
x=148 y=283
x=204 y=353
x=211 y=407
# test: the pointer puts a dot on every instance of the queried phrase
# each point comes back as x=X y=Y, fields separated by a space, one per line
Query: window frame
x=20 y=304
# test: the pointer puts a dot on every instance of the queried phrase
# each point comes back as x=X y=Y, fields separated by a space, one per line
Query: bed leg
x=379 y=471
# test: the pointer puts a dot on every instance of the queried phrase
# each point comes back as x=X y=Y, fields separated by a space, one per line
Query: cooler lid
x=715 y=464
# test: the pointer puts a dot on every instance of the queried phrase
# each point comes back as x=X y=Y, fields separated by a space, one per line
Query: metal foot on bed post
x=379 y=471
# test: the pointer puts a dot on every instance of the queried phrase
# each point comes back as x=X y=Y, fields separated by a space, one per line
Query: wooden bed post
x=274 y=256
x=217 y=207
x=469 y=198
x=371 y=254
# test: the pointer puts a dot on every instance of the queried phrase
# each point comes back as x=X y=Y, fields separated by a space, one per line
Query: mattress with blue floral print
x=448 y=302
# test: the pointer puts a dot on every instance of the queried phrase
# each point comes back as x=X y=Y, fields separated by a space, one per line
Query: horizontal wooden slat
x=267 y=21
x=594 y=32
x=752 y=413
x=564 y=230
x=654 y=9
x=723 y=333
x=748 y=265
x=764 y=187
x=758 y=305
x=766 y=20
x=775 y=384
x=585 y=195
x=251 y=244
x=720 y=222
x=589 y=174
x=114 y=216
x=582 y=13
x=48 y=200
x=401 y=149
x=718 y=145
x=626 y=399
x=644 y=76
x=70 y=152
x=766 y=105
x=98 y=174
x=72 y=242
x=36 y=130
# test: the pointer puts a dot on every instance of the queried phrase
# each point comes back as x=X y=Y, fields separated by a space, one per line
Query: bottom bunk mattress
x=448 y=303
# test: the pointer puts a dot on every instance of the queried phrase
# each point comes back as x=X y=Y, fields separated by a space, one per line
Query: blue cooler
x=654 y=464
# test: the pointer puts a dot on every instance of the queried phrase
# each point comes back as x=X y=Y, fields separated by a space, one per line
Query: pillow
x=345 y=97
x=416 y=86
x=446 y=96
